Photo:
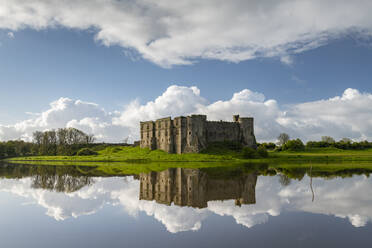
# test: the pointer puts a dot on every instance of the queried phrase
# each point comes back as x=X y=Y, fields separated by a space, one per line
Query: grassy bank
x=323 y=155
x=136 y=154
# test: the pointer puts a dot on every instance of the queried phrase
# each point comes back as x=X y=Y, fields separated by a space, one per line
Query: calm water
x=46 y=206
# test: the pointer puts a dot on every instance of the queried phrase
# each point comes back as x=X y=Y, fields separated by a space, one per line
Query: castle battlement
x=193 y=133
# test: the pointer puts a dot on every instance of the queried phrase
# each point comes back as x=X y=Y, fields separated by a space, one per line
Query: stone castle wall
x=193 y=133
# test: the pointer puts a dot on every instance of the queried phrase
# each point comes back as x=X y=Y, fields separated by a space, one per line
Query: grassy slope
x=136 y=154
x=128 y=154
x=324 y=155
x=323 y=162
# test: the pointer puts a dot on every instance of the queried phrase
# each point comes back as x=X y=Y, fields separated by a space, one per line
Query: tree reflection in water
x=182 y=198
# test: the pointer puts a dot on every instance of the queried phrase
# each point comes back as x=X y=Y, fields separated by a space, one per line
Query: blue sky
x=38 y=67
x=53 y=57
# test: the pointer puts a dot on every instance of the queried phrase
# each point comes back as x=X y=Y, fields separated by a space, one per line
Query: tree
x=262 y=152
x=346 y=140
x=294 y=145
x=269 y=146
x=283 y=138
x=249 y=152
x=64 y=141
x=328 y=139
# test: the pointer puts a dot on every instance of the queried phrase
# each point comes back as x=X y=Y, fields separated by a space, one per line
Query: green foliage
x=137 y=154
x=249 y=153
x=16 y=148
x=294 y=145
x=110 y=153
x=64 y=141
x=99 y=147
x=86 y=152
x=116 y=149
x=223 y=148
x=328 y=139
x=344 y=144
x=268 y=146
x=262 y=152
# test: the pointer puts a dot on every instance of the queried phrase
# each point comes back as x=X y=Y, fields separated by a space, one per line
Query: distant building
x=193 y=133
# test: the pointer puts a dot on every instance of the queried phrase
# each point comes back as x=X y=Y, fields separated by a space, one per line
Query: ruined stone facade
x=193 y=133
x=194 y=188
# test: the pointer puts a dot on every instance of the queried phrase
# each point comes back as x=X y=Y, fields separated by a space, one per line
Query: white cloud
x=66 y=112
x=287 y=59
x=348 y=115
x=176 y=100
x=169 y=32
x=11 y=35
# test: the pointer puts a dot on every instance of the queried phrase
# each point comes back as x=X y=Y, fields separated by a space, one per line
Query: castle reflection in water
x=194 y=187
x=181 y=186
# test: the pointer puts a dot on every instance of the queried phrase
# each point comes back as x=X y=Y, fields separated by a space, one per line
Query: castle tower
x=196 y=133
x=247 y=131
x=148 y=139
x=164 y=134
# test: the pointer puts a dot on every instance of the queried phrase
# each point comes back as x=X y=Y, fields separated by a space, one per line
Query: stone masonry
x=193 y=133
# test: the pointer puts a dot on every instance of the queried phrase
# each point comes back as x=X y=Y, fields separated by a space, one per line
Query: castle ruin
x=193 y=133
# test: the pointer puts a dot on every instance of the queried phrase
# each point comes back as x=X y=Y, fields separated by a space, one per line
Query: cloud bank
x=168 y=32
x=342 y=116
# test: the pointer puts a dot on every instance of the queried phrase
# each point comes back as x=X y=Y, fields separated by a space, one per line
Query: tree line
x=285 y=143
x=64 y=141
x=16 y=148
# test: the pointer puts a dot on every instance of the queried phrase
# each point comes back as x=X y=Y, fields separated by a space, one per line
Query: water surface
x=57 y=206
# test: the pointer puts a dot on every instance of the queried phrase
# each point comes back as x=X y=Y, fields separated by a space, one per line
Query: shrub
x=269 y=146
x=86 y=152
x=345 y=144
x=294 y=145
x=224 y=147
x=318 y=144
x=249 y=152
x=262 y=152
x=116 y=150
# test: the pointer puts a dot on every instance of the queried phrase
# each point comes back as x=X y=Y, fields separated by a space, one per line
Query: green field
x=136 y=154
x=114 y=161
